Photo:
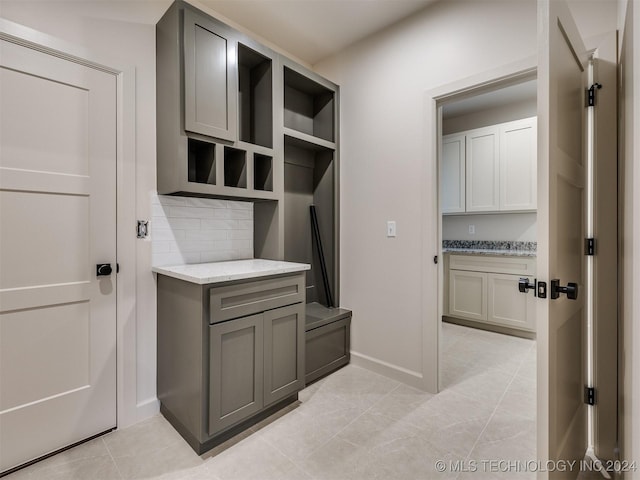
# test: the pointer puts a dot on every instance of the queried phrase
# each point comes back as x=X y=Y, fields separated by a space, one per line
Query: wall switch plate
x=472 y=229
x=391 y=228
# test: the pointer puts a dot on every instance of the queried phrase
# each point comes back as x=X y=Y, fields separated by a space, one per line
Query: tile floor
x=352 y=425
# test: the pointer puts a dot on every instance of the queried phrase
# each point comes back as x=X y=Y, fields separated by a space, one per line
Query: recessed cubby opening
x=201 y=162
x=255 y=99
x=235 y=167
x=308 y=106
x=309 y=180
x=262 y=172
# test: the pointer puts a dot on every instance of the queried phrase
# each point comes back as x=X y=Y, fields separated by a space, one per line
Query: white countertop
x=216 y=272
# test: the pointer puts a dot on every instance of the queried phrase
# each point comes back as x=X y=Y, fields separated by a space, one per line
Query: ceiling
x=314 y=29
x=521 y=92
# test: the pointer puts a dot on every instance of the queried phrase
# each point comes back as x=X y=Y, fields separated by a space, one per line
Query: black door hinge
x=589 y=395
x=591 y=94
x=589 y=246
x=435 y=259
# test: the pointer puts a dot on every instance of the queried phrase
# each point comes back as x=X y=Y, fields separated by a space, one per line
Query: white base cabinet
x=484 y=288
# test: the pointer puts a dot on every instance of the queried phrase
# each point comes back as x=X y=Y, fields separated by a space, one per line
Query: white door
x=57 y=221
x=561 y=203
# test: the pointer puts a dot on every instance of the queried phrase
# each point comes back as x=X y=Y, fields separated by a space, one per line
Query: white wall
x=383 y=81
x=520 y=227
x=490 y=116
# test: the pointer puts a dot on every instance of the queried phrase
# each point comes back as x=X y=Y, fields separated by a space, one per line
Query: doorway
x=488 y=167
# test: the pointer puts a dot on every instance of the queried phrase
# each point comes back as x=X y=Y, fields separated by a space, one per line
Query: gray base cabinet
x=217 y=375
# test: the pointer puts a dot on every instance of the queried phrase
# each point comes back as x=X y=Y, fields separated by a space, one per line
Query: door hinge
x=591 y=94
x=589 y=246
x=589 y=395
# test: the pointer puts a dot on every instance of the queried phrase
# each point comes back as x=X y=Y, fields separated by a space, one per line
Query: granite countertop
x=490 y=247
x=217 y=272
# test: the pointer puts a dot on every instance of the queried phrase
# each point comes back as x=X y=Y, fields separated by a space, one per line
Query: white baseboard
x=409 y=377
x=148 y=408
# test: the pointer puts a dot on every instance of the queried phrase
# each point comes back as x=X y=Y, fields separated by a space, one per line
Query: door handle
x=571 y=290
x=524 y=286
x=103 y=269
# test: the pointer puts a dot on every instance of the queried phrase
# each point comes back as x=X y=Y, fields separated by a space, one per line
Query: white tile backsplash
x=198 y=230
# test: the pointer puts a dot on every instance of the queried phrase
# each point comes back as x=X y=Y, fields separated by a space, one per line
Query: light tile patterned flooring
x=352 y=425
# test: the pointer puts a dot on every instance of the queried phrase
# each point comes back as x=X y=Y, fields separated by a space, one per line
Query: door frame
x=126 y=381
x=489 y=80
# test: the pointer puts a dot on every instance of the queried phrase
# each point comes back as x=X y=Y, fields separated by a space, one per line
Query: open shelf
x=262 y=172
x=308 y=106
x=309 y=179
x=235 y=168
x=255 y=99
x=201 y=162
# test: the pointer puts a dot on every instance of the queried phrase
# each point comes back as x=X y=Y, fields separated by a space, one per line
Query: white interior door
x=561 y=212
x=57 y=221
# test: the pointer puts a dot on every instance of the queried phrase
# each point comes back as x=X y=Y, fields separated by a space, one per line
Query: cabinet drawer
x=525 y=266
x=236 y=301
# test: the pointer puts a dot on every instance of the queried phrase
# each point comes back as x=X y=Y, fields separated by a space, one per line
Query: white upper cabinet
x=453 y=173
x=518 y=165
x=490 y=169
x=483 y=170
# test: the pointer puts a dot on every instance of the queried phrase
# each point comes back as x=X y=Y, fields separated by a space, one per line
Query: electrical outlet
x=391 y=228
x=472 y=229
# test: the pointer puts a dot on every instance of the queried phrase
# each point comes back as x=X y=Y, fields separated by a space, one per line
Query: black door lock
x=524 y=285
x=571 y=290
x=103 y=269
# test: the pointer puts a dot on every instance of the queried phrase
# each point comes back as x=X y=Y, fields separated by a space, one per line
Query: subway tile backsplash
x=199 y=230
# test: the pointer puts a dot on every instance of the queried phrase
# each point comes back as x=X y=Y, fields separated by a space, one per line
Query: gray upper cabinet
x=210 y=77
x=214 y=100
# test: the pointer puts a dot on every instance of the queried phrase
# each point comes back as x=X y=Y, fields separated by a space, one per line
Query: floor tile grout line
x=345 y=426
x=494 y=410
x=106 y=445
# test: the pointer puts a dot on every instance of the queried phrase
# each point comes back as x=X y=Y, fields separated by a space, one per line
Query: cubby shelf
x=308 y=106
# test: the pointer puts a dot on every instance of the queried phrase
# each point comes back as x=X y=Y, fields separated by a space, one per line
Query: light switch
x=472 y=229
x=391 y=228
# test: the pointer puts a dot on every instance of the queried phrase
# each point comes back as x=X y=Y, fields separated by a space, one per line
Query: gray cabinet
x=255 y=361
x=214 y=122
x=235 y=365
x=283 y=352
x=210 y=77
x=220 y=372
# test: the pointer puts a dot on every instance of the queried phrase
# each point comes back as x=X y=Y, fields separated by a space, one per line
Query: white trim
x=128 y=410
x=432 y=307
x=409 y=377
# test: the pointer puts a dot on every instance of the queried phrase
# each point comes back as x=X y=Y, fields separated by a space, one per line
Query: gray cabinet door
x=283 y=352
x=236 y=371
x=210 y=78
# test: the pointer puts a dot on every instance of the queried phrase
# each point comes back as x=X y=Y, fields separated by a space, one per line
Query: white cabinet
x=453 y=174
x=482 y=170
x=518 y=165
x=507 y=306
x=490 y=169
x=468 y=295
x=484 y=288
